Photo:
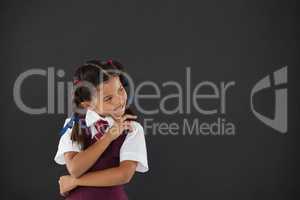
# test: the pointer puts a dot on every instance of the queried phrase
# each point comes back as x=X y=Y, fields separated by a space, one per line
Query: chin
x=120 y=113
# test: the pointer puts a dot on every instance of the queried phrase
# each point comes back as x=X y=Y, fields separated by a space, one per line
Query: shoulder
x=137 y=124
x=137 y=132
x=66 y=137
x=137 y=127
x=134 y=147
x=66 y=145
x=67 y=133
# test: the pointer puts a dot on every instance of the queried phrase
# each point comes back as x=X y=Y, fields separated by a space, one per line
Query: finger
x=128 y=129
x=127 y=116
x=64 y=194
x=128 y=126
x=127 y=123
x=115 y=130
x=61 y=192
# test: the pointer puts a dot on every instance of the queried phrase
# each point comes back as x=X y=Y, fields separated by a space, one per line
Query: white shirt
x=133 y=147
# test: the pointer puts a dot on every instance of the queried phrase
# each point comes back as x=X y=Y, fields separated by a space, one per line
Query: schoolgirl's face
x=110 y=98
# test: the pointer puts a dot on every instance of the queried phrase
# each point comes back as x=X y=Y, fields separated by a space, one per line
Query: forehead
x=110 y=85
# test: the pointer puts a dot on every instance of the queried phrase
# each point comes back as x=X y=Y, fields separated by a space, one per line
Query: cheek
x=106 y=108
x=103 y=106
x=125 y=96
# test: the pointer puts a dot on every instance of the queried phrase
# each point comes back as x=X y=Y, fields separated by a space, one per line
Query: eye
x=107 y=99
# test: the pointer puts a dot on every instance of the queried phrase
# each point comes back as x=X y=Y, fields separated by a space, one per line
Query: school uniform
x=128 y=146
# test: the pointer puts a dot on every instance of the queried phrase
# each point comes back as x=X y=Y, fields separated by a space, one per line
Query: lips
x=120 y=107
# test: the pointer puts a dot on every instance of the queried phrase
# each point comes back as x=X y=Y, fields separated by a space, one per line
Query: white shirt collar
x=91 y=117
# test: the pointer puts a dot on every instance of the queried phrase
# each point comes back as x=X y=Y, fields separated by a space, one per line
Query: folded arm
x=108 y=177
x=79 y=162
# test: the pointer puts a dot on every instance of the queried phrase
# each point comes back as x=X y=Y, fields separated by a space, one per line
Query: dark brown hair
x=94 y=72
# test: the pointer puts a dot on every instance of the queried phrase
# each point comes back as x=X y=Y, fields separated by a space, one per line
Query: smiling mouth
x=120 y=107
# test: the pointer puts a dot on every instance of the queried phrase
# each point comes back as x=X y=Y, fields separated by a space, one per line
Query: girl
x=101 y=146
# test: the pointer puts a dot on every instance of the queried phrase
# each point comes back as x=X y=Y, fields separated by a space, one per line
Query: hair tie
x=75 y=82
x=110 y=61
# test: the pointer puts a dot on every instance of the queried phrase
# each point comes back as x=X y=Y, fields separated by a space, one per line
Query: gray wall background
x=220 y=40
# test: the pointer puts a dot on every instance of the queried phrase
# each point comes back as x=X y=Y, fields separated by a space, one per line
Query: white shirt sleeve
x=65 y=145
x=134 y=148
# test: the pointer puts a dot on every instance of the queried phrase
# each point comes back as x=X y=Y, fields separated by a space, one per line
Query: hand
x=121 y=124
x=66 y=184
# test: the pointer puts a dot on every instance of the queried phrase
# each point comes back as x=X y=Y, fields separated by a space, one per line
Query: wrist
x=75 y=182
x=110 y=134
x=106 y=138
